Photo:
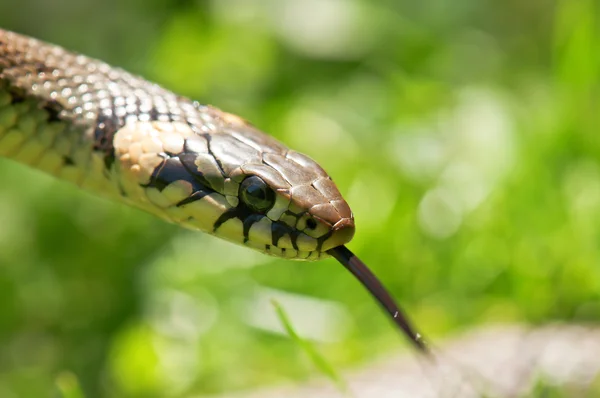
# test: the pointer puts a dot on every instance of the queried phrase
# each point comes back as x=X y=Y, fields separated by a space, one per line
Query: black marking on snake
x=322 y=239
x=248 y=218
x=279 y=229
x=68 y=161
x=17 y=96
x=248 y=222
x=17 y=58
x=188 y=160
x=208 y=140
x=193 y=126
x=53 y=108
x=277 y=232
x=104 y=133
x=107 y=124
x=154 y=115
x=15 y=99
x=170 y=170
x=172 y=154
x=156 y=180
x=198 y=195
x=241 y=212
x=291 y=213
x=226 y=216
x=40 y=67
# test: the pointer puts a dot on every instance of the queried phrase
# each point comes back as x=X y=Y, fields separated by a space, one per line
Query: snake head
x=303 y=215
x=285 y=204
x=219 y=174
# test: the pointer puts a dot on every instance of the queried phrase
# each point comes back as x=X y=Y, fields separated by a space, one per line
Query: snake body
x=123 y=137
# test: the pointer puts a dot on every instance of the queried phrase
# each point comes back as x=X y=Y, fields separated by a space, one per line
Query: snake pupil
x=256 y=194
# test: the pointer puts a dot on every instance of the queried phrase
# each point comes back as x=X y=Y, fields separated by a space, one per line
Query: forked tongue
x=370 y=281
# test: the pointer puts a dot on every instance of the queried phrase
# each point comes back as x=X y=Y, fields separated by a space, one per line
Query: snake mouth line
x=291 y=254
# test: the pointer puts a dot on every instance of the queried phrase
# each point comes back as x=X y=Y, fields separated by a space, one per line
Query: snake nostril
x=311 y=223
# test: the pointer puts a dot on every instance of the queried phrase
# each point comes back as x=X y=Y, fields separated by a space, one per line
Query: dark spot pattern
x=104 y=133
x=322 y=239
x=172 y=169
x=53 y=109
x=311 y=223
x=248 y=222
x=188 y=162
x=278 y=228
x=41 y=67
x=17 y=96
x=197 y=195
x=234 y=212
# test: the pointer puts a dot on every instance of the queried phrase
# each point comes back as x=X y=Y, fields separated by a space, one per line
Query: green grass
x=463 y=134
x=318 y=360
x=68 y=386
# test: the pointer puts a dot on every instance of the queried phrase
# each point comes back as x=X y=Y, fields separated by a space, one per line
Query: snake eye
x=256 y=194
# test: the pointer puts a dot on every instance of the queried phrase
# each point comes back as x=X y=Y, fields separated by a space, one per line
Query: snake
x=124 y=138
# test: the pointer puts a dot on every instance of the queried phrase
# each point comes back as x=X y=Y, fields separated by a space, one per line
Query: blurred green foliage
x=464 y=135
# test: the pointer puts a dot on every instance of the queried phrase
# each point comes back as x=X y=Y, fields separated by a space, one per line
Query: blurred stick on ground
x=500 y=362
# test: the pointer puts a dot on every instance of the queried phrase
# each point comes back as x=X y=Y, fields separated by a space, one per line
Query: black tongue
x=370 y=281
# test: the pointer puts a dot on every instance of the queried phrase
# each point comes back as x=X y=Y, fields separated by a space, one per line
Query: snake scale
x=122 y=137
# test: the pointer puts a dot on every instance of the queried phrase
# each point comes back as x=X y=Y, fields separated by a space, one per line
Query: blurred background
x=463 y=134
